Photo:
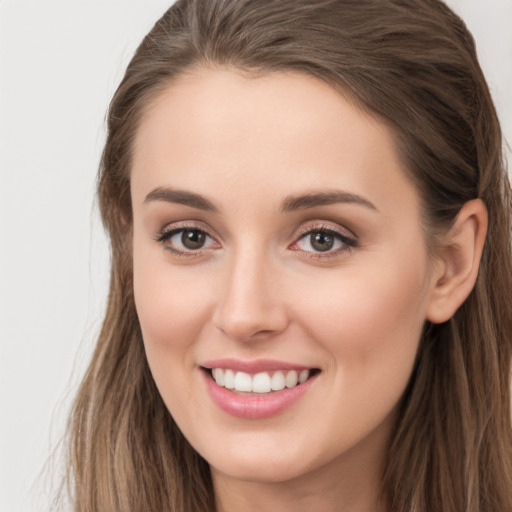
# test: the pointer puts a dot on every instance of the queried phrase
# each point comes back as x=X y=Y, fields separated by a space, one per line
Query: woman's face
x=277 y=242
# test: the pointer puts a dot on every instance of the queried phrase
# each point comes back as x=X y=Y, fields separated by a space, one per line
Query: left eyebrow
x=311 y=200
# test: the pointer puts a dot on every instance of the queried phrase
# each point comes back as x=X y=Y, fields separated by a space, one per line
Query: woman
x=309 y=304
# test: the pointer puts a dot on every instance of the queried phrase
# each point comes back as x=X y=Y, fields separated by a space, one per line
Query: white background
x=60 y=61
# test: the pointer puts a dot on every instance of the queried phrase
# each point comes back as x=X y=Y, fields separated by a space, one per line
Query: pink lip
x=254 y=406
x=256 y=366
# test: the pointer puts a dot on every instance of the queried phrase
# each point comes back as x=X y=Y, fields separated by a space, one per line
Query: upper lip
x=254 y=366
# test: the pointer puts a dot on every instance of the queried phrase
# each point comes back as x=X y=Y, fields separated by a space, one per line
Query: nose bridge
x=249 y=303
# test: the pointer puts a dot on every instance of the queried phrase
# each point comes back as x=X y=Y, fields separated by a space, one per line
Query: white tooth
x=218 y=375
x=303 y=376
x=261 y=383
x=229 y=379
x=277 y=382
x=243 y=381
x=291 y=379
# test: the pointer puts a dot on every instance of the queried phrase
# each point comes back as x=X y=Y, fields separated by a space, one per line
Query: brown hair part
x=413 y=64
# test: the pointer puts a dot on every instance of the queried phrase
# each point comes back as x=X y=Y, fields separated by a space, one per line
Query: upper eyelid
x=187 y=224
x=344 y=232
x=173 y=227
x=166 y=234
x=347 y=241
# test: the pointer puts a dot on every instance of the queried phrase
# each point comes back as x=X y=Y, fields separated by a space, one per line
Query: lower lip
x=259 y=406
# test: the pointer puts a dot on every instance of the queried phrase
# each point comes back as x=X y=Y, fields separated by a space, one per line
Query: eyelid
x=347 y=238
x=166 y=233
x=322 y=226
x=173 y=227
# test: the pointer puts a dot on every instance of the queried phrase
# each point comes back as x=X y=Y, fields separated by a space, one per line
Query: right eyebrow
x=181 y=197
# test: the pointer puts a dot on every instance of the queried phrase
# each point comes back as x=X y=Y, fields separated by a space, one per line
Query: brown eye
x=193 y=239
x=321 y=241
x=187 y=241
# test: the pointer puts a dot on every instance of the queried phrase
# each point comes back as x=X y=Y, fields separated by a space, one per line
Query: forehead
x=278 y=132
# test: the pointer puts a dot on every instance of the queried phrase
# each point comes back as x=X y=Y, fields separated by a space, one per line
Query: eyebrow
x=181 y=197
x=291 y=203
x=312 y=200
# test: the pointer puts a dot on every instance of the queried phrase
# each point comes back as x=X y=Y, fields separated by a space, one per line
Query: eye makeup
x=318 y=241
x=322 y=241
x=186 y=240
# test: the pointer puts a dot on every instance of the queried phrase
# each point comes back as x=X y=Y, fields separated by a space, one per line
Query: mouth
x=261 y=383
x=256 y=389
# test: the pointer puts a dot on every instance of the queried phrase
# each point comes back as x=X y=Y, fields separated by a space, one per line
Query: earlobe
x=458 y=262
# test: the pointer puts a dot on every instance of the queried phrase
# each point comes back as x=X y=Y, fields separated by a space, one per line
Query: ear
x=458 y=260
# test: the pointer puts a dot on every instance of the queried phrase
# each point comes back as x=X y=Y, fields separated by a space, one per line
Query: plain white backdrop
x=60 y=62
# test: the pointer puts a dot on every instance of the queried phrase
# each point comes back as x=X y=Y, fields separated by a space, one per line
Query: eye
x=323 y=240
x=185 y=240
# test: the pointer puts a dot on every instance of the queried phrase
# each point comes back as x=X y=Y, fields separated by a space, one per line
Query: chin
x=260 y=471
x=264 y=460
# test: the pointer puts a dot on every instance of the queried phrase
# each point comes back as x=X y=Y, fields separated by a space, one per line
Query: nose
x=250 y=304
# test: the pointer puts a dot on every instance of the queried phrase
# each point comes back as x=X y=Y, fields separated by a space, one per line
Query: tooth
x=277 y=382
x=243 y=381
x=303 y=376
x=261 y=383
x=229 y=379
x=291 y=379
x=218 y=375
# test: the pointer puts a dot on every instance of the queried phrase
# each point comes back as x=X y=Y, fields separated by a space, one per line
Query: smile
x=256 y=390
x=263 y=382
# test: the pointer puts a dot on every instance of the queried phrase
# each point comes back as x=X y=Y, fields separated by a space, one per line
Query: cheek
x=163 y=311
x=170 y=326
x=370 y=328
x=382 y=310
x=169 y=323
x=164 y=300
x=370 y=323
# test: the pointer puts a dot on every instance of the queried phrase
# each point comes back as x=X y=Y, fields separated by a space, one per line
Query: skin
x=259 y=289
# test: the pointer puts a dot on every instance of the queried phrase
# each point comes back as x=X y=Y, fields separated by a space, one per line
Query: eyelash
x=348 y=243
x=167 y=233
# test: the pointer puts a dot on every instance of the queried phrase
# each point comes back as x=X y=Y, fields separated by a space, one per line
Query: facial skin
x=260 y=289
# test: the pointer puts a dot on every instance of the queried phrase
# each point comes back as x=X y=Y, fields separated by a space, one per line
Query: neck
x=294 y=497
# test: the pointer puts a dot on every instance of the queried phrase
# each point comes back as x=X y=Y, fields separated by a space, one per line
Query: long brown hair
x=413 y=64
